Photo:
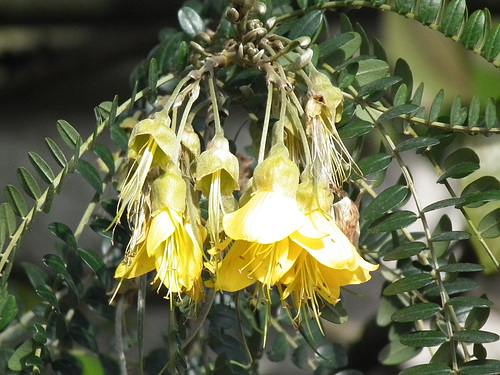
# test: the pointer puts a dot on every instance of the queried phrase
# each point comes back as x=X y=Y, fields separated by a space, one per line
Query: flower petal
x=267 y=217
x=141 y=264
x=161 y=228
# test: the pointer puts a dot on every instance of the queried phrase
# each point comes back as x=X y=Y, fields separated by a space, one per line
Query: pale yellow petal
x=140 y=265
x=232 y=274
x=161 y=228
x=267 y=217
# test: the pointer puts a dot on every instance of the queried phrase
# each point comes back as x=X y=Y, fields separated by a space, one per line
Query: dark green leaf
x=451 y=236
x=489 y=227
x=393 y=221
x=482 y=184
x=428 y=11
x=404 y=6
x=28 y=183
x=402 y=69
x=303 y=4
x=106 y=156
x=308 y=25
x=405 y=251
x=49 y=199
x=23 y=352
x=417 y=143
x=475 y=337
x=63 y=232
x=57 y=265
x=423 y=338
x=408 y=284
x=453 y=17
x=153 y=75
x=396 y=353
x=491 y=47
x=47 y=294
x=120 y=137
x=190 y=21
x=41 y=167
x=402 y=110
x=460 y=164
x=8 y=309
x=68 y=134
x=461 y=302
x=459 y=285
x=444 y=203
x=418 y=311
x=474 y=29
x=474 y=112
x=39 y=333
x=344 y=45
x=427 y=369
x=437 y=103
x=479 y=199
x=300 y=358
x=333 y=356
x=458 y=114
x=83 y=337
x=378 y=50
x=279 y=349
x=35 y=274
x=444 y=225
x=90 y=174
x=15 y=199
x=378 y=85
x=8 y=216
x=481 y=367
x=56 y=152
x=461 y=267
x=335 y=313
x=183 y=55
x=374 y=164
x=369 y=71
x=387 y=200
x=96 y=264
x=490 y=114
x=355 y=129
x=402 y=95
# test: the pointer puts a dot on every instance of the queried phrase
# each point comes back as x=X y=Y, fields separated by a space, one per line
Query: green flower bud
x=168 y=190
x=323 y=91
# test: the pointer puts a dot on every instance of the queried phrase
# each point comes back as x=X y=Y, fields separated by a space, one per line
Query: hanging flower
x=170 y=246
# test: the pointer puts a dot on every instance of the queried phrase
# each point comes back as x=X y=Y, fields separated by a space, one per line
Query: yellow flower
x=169 y=245
x=262 y=250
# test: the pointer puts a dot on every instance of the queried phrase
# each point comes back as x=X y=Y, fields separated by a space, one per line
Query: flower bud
x=168 y=191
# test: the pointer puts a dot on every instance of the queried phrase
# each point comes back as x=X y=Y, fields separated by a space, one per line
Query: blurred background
x=59 y=59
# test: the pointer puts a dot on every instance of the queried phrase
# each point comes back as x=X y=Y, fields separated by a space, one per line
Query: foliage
x=430 y=298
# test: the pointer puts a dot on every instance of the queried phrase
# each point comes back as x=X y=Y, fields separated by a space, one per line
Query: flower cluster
x=281 y=233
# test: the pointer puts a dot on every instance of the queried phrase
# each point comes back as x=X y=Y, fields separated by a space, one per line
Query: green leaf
x=396 y=353
x=404 y=6
x=490 y=114
x=190 y=21
x=436 y=105
x=369 y=71
x=335 y=313
x=405 y=251
x=8 y=308
x=491 y=47
x=402 y=110
x=458 y=114
x=418 y=311
x=56 y=152
x=8 y=216
x=341 y=47
x=39 y=333
x=428 y=11
x=393 y=221
x=475 y=337
x=459 y=285
x=68 y=134
x=106 y=156
x=474 y=29
x=279 y=349
x=49 y=199
x=14 y=197
x=183 y=56
x=300 y=358
x=474 y=112
x=489 y=227
x=374 y=164
x=386 y=201
x=57 y=265
x=481 y=367
x=444 y=203
x=427 y=369
x=378 y=85
x=402 y=69
x=153 y=75
x=85 y=338
x=408 y=284
x=308 y=25
x=90 y=174
x=28 y=182
x=459 y=164
x=63 y=232
x=96 y=264
x=333 y=356
x=457 y=235
x=453 y=17
x=47 y=294
x=41 y=167
x=479 y=199
x=463 y=302
x=23 y=352
x=461 y=267
x=355 y=129
x=423 y=338
x=417 y=143
x=36 y=275
x=120 y=137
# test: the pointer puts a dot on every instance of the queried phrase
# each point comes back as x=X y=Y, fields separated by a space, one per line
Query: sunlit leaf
x=308 y=25
x=190 y=21
x=15 y=199
x=56 y=152
x=491 y=47
x=453 y=17
x=41 y=167
x=474 y=29
x=28 y=183
x=8 y=216
x=428 y=11
x=68 y=134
